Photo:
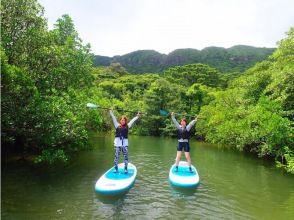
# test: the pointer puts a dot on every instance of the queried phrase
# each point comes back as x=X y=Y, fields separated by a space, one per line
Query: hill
x=234 y=59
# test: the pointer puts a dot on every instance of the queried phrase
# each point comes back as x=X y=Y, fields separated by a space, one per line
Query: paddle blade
x=91 y=105
x=163 y=112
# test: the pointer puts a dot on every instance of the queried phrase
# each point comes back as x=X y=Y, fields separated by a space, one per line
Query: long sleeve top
x=117 y=140
x=188 y=127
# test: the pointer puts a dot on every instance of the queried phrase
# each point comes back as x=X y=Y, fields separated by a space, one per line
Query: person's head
x=183 y=122
x=123 y=121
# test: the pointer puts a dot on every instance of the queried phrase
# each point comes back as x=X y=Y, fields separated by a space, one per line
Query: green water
x=233 y=186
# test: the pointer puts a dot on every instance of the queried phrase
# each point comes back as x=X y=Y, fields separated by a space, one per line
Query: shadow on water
x=110 y=206
x=183 y=192
x=111 y=199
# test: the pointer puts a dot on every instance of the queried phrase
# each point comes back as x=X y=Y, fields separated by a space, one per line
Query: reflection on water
x=232 y=186
x=178 y=192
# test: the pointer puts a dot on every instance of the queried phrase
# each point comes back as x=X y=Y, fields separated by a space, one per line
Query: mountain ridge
x=233 y=59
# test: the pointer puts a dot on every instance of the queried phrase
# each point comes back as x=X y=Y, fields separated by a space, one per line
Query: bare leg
x=187 y=154
x=179 y=154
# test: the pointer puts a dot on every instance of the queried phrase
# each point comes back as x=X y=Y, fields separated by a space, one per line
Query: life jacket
x=183 y=134
x=122 y=132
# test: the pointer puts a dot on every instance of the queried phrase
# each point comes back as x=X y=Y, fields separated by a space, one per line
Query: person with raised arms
x=121 y=142
x=183 y=139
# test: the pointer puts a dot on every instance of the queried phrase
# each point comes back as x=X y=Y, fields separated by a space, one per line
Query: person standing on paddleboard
x=183 y=139
x=121 y=138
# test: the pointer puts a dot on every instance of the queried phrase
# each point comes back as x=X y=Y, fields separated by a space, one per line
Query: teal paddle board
x=113 y=183
x=184 y=177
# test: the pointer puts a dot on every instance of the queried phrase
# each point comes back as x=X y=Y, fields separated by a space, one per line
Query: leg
x=187 y=155
x=178 y=157
x=126 y=157
x=116 y=157
x=179 y=154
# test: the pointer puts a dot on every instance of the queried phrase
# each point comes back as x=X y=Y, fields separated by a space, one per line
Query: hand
x=196 y=117
x=139 y=114
x=172 y=114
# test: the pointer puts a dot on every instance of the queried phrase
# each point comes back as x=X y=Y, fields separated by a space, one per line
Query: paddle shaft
x=168 y=113
x=119 y=109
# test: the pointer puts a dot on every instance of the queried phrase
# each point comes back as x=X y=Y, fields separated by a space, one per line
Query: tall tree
x=22 y=30
x=193 y=73
x=45 y=78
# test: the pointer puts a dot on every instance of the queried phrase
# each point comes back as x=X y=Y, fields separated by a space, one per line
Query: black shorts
x=183 y=145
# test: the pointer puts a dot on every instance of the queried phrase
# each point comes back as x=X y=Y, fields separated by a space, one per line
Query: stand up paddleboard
x=112 y=183
x=183 y=177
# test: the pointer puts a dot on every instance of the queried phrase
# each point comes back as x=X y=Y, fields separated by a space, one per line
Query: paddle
x=91 y=105
x=165 y=113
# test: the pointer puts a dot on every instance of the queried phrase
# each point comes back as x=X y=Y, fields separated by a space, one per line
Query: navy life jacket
x=183 y=134
x=122 y=132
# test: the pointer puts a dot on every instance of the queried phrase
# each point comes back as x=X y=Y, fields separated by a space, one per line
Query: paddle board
x=183 y=177
x=112 y=183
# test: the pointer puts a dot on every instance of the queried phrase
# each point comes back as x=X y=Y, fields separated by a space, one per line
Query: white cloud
x=115 y=27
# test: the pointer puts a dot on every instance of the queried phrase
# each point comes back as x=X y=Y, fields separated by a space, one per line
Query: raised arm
x=130 y=124
x=175 y=121
x=113 y=119
x=191 y=124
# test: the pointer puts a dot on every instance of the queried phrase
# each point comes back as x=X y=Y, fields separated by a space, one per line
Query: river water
x=232 y=185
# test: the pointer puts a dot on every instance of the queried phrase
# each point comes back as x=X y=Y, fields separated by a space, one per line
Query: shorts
x=183 y=145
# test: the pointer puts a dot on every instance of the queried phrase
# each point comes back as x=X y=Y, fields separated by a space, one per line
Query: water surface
x=232 y=186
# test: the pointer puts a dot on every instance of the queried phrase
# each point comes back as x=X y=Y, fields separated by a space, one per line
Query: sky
x=117 y=27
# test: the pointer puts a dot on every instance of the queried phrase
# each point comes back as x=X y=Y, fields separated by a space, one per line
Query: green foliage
x=285 y=52
x=193 y=73
x=45 y=75
x=254 y=81
x=51 y=156
x=17 y=93
x=160 y=95
x=256 y=112
x=65 y=32
x=182 y=57
x=48 y=77
x=197 y=96
x=117 y=68
x=23 y=30
x=234 y=59
x=142 y=60
x=281 y=88
x=288 y=155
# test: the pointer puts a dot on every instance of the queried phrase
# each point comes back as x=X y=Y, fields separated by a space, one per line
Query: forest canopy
x=48 y=76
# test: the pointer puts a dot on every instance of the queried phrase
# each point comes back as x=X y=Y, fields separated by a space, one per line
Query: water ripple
x=231 y=187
